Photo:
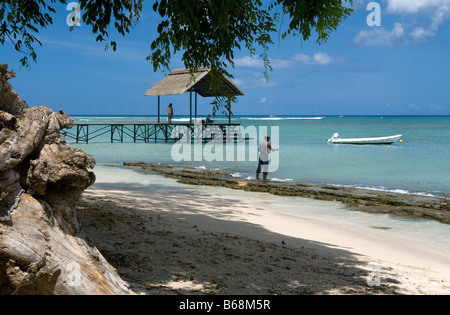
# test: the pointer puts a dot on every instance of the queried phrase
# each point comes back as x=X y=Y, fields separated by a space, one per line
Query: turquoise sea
x=420 y=164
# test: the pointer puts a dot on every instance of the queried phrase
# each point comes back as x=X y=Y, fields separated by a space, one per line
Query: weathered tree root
x=42 y=246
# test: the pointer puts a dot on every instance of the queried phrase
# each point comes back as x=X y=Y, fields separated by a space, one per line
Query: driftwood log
x=42 y=246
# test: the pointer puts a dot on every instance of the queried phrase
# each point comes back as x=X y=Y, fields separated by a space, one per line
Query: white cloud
x=440 y=13
x=257 y=79
x=414 y=6
x=379 y=36
x=281 y=63
x=250 y=62
x=419 y=33
x=412 y=29
x=263 y=100
x=322 y=59
x=317 y=59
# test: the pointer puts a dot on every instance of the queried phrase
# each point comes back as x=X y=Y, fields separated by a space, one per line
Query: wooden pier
x=153 y=132
x=177 y=82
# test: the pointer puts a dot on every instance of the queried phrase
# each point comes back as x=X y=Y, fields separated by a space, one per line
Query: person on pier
x=170 y=113
x=209 y=120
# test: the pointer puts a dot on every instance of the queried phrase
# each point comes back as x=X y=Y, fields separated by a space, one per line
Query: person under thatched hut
x=170 y=113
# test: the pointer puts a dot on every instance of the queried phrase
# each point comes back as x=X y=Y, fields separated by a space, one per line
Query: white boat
x=377 y=140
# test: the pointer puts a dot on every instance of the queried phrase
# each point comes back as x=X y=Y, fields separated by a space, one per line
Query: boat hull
x=363 y=141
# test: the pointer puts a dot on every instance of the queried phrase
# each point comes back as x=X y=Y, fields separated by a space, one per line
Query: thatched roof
x=180 y=81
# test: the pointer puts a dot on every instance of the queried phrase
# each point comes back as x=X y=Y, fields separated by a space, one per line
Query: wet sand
x=371 y=201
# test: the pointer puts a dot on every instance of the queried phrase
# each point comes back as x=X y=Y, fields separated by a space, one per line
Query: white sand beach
x=169 y=238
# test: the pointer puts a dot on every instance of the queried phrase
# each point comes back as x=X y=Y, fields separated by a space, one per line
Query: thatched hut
x=180 y=81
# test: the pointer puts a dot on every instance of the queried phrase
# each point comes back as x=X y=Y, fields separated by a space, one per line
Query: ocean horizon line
x=256 y=115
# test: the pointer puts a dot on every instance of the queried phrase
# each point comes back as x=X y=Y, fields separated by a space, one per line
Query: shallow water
x=419 y=164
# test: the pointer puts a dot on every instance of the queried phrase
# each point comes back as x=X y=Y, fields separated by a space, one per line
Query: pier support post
x=190 y=112
x=159 y=109
x=196 y=105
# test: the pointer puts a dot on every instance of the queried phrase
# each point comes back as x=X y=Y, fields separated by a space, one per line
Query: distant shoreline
x=360 y=199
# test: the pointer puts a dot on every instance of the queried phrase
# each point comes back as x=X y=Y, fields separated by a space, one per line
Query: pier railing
x=153 y=132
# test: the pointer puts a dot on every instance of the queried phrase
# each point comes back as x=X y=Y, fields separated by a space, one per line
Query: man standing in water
x=170 y=113
x=263 y=163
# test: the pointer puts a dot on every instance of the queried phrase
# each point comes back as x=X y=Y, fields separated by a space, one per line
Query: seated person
x=208 y=120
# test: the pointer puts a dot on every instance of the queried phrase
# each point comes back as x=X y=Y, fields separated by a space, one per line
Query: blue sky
x=398 y=68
